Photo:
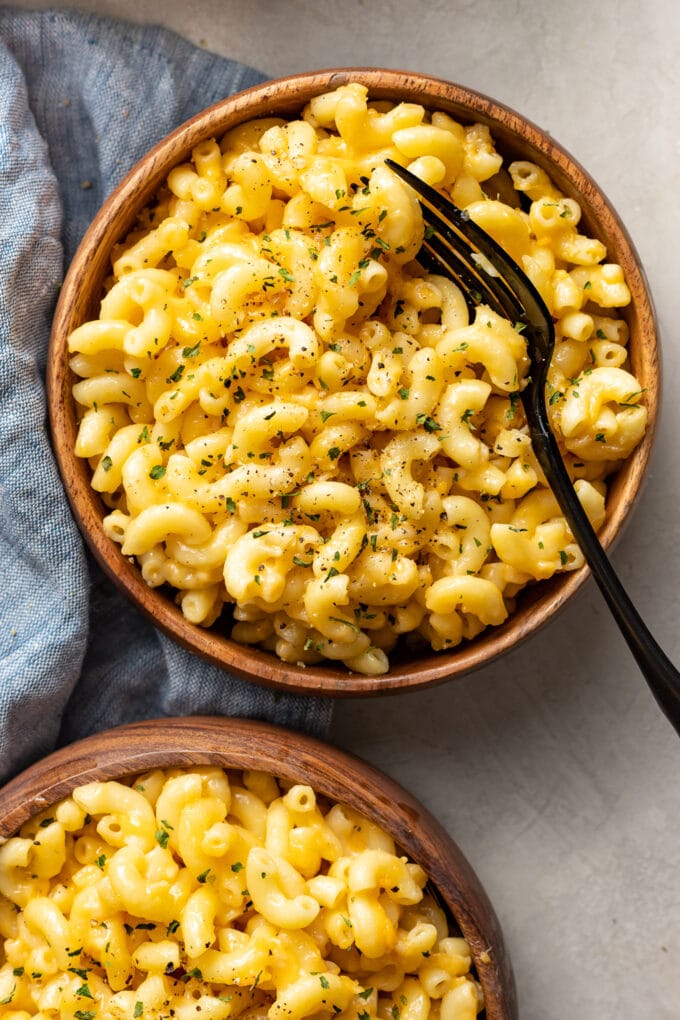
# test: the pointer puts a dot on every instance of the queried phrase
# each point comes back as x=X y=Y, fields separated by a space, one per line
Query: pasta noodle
x=287 y=415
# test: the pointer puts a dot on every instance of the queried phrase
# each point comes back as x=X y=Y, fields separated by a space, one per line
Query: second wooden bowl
x=243 y=744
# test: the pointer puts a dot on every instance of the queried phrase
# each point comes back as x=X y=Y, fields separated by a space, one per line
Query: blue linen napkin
x=81 y=99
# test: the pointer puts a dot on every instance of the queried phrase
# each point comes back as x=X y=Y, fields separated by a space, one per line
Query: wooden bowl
x=243 y=744
x=515 y=138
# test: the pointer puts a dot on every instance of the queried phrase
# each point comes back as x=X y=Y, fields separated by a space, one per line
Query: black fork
x=486 y=273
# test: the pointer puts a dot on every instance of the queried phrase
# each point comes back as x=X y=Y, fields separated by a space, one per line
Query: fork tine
x=463 y=238
x=435 y=262
x=475 y=283
x=455 y=249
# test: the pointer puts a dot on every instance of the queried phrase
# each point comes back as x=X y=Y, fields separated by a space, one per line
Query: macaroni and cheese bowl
x=298 y=452
x=227 y=867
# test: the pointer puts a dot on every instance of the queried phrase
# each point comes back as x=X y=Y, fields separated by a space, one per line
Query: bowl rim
x=539 y=602
x=237 y=743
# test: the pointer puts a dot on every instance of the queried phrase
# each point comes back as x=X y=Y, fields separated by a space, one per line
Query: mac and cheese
x=287 y=415
x=201 y=893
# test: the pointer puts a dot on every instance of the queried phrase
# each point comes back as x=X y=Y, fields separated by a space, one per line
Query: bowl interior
x=516 y=138
x=244 y=744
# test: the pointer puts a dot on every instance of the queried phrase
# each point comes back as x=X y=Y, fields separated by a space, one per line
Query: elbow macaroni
x=288 y=416
x=227 y=895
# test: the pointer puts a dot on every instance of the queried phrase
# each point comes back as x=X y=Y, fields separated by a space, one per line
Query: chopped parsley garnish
x=630 y=400
x=162 y=837
x=428 y=423
x=311 y=645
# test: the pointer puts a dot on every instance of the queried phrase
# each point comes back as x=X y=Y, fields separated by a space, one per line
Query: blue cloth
x=81 y=100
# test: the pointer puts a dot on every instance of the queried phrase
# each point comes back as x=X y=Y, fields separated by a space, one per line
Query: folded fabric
x=81 y=99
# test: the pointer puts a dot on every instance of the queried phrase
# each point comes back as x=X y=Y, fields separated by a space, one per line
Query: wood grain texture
x=516 y=138
x=244 y=744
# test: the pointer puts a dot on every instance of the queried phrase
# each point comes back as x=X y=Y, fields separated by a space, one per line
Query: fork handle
x=659 y=672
